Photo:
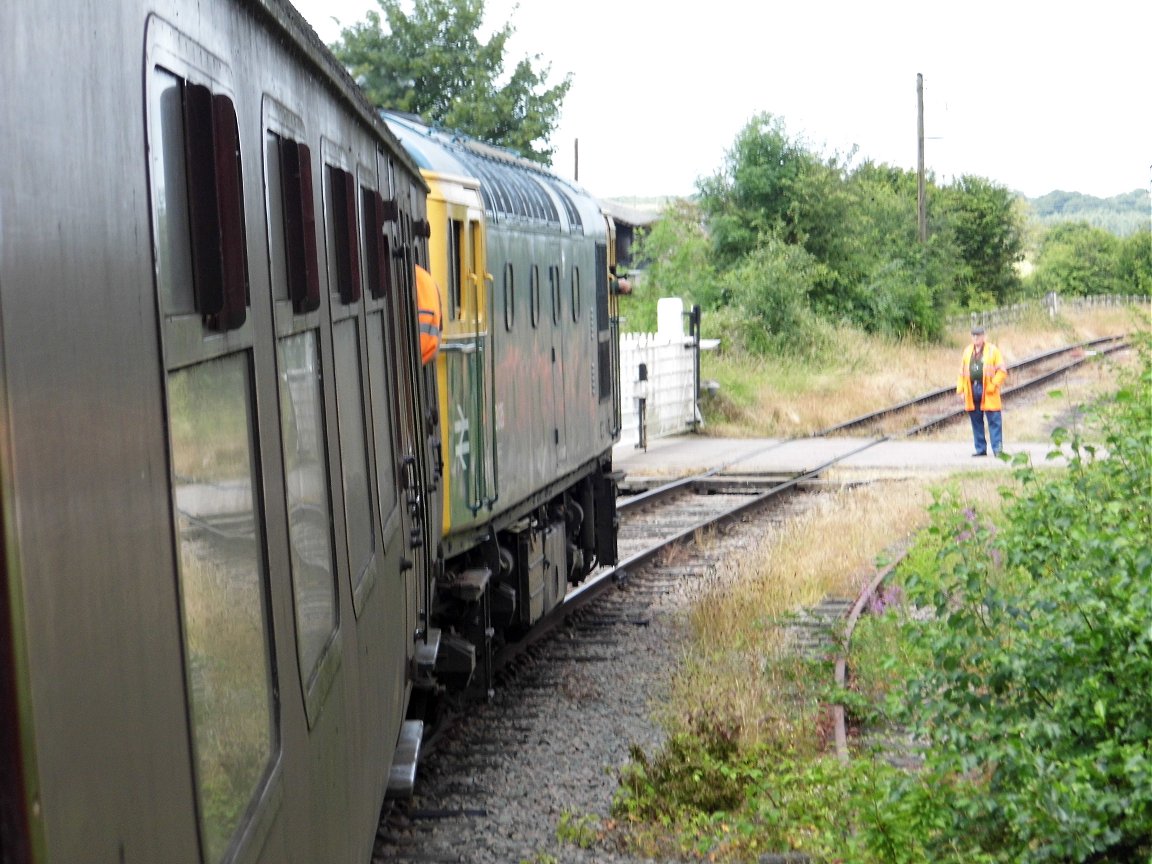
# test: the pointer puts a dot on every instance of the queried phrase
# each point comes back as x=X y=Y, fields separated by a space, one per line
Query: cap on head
x=977 y=330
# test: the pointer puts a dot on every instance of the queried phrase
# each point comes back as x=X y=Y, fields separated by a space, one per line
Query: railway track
x=529 y=775
x=937 y=408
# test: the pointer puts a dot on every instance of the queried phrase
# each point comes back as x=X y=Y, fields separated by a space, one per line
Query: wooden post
x=921 y=198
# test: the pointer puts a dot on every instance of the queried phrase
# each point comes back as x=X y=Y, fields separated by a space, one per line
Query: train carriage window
x=575 y=294
x=359 y=511
x=202 y=264
x=344 y=238
x=293 y=256
x=222 y=589
x=509 y=297
x=170 y=185
x=383 y=413
x=306 y=488
x=378 y=266
x=534 y=294
x=377 y=254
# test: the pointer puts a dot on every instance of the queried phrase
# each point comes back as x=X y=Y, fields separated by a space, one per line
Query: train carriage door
x=556 y=328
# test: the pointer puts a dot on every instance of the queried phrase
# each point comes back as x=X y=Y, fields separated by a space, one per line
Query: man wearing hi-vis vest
x=982 y=372
x=428 y=313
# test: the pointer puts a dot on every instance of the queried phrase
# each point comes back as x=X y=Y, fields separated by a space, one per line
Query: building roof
x=622 y=213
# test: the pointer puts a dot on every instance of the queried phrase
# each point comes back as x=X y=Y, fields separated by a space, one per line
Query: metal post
x=642 y=406
x=694 y=334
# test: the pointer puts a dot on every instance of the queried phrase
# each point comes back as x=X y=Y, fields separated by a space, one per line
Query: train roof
x=300 y=32
x=514 y=189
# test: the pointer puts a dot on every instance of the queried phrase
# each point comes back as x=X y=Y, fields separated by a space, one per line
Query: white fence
x=666 y=403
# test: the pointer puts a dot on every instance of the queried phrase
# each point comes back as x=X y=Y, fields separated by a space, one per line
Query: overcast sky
x=1036 y=96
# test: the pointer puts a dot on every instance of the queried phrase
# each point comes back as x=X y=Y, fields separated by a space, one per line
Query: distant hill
x=1121 y=214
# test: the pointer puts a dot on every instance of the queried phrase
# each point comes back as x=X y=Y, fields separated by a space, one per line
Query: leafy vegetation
x=1120 y=215
x=1016 y=644
x=783 y=244
x=1076 y=259
x=431 y=63
x=1037 y=705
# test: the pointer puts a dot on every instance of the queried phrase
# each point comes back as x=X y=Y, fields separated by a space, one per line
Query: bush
x=1038 y=706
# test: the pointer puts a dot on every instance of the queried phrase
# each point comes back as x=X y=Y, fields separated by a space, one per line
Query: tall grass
x=779 y=396
x=735 y=664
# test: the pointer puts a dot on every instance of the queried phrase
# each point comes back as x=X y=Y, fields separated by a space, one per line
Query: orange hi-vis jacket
x=428 y=312
x=995 y=374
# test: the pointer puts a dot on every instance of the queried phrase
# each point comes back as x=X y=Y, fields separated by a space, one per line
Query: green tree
x=1135 y=263
x=754 y=195
x=678 y=255
x=986 y=229
x=431 y=63
x=1078 y=260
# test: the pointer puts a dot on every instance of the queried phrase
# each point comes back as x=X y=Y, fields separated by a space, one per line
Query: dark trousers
x=995 y=427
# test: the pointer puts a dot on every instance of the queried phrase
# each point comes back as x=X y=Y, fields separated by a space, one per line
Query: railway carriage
x=216 y=471
x=247 y=535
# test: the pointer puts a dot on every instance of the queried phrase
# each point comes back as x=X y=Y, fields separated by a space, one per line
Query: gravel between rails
x=556 y=734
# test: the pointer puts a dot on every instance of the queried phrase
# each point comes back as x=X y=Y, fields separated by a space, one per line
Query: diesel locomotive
x=248 y=536
x=526 y=375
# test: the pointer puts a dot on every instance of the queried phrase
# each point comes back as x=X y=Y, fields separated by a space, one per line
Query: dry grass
x=783 y=397
x=737 y=668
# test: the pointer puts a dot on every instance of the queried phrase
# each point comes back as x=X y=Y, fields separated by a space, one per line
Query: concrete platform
x=694 y=454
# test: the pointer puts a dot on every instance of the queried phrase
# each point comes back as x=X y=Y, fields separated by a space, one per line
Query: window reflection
x=383 y=411
x=306 y=482
x=170 y=181
x=358 y=509
x=221 y=580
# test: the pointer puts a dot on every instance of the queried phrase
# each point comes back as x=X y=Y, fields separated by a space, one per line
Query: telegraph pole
x=921 y=198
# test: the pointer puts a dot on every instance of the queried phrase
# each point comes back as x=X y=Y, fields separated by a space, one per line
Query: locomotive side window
x=603 y=325
x=472 y=274
x=575 y=293
x=554 y=285
x=218 y=524
x=455 y=268
x=534 y=292
x=509 y=297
